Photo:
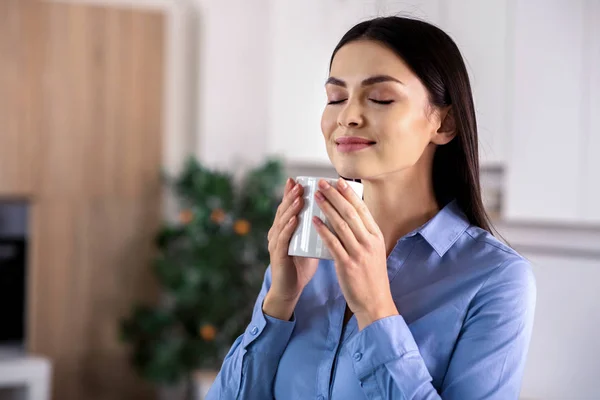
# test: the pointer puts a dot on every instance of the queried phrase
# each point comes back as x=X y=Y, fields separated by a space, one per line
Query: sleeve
x=488 y=358
x=249 y=368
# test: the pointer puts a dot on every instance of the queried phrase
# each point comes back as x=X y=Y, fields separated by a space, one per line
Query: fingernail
x=323 y=184
x=319 y=196
x=317 y=221
x=297 y=201
x=297 y=188
x=288 y=182
x=291 y=221
x=342 y=184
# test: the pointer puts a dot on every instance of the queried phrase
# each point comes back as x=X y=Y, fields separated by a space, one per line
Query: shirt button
x=357 y=356
x=254 y=330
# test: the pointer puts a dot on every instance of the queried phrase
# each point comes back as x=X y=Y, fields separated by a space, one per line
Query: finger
x=284 y=217
x=333 y=244
x=289 y=184
x=359 y=205
x=283 y=240
x=292 y=211
x=339 y=225
x=345 y=210
x=295 y=191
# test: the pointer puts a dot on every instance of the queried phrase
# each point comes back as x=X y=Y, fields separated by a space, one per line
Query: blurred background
x=107 y=287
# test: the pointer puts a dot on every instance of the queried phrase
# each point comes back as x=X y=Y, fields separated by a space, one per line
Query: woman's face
x=378 y=119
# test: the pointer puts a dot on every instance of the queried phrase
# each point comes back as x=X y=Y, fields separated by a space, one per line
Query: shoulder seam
x=492 y=273
x=498 y=267
x=511 y=251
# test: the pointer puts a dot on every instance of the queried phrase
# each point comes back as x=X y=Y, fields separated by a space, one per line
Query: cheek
x=411 y=124
x=406 y=134
x=328 y=121
x=394 y=125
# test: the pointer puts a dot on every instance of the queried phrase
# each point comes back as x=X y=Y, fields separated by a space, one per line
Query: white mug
x=305 y=241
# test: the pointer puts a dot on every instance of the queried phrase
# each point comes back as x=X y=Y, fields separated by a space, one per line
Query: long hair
x=434 y=57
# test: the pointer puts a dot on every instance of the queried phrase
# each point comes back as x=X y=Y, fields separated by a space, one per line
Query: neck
x=401 y=202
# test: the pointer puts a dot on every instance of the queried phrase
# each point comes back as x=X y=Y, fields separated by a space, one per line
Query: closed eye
x=385 y=102
x=337 y=101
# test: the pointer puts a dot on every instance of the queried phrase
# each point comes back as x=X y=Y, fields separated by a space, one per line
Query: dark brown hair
x=434 y=57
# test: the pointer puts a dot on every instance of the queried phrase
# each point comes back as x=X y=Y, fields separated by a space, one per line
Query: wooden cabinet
x=20 y=105
x=81 y=97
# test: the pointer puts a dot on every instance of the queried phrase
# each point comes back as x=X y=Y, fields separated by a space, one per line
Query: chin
x=351 y=167
x=349 y=171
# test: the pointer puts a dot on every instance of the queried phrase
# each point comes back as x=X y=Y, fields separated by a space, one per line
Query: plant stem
x=190 y=387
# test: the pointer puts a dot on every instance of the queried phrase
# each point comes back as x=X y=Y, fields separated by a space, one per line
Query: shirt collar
x=443 y=230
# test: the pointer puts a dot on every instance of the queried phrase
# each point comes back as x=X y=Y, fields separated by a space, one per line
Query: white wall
x=232 y=112
x=554 y=172
x=547 y=106
x=563 y=360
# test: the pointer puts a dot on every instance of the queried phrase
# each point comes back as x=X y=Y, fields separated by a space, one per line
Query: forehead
x=363 y=58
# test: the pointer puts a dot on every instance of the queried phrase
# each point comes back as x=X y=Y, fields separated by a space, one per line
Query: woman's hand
x=359 y=253
x=289 y=275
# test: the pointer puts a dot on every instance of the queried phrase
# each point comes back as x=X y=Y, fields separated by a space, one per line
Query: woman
x=421 y=301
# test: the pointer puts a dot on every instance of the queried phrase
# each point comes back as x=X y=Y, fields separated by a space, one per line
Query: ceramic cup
x=305 y=241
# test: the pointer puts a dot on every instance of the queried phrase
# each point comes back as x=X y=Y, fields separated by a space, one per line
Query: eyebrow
x=367 y=82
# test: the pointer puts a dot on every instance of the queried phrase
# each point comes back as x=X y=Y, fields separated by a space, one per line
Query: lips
x=353 y=140
x=349 y=144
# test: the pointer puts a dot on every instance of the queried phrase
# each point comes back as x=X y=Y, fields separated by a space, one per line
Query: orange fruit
x=186 y=216
x=241 y=227
x=208 y=332
x=217 y=215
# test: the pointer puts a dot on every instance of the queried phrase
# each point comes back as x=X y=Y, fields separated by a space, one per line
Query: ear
x=447 y=129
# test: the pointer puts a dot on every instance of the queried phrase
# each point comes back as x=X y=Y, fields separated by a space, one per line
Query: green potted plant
x=210 y=265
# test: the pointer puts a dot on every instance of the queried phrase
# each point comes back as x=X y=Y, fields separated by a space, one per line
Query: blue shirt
x=466 y=304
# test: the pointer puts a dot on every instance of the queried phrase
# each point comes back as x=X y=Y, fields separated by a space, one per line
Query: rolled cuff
x=266 y=334
x=382 y=341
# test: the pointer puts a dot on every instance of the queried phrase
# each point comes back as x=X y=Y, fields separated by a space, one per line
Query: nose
x=351 y=116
